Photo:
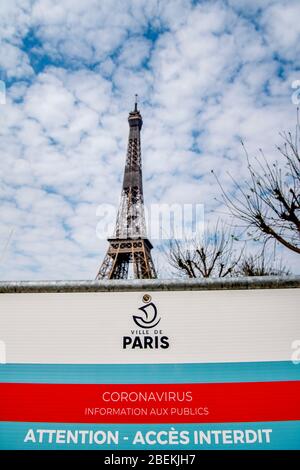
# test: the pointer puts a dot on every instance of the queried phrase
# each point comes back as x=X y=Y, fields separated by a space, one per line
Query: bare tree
x=214 y=256
x=260 y=265
x=268 y=203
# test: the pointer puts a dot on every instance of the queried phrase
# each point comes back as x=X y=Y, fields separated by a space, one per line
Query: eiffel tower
x=129 y=244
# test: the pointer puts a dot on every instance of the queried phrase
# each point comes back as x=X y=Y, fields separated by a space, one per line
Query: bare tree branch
x=214 y=256
x=269 y=201
x=261 y=265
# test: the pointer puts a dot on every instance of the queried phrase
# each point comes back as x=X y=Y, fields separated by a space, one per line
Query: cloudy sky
x=208 y=74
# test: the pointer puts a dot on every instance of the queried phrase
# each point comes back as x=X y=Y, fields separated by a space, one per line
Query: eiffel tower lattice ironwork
x=129 y=244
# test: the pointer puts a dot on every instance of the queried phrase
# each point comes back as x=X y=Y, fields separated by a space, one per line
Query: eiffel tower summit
x=129 y=249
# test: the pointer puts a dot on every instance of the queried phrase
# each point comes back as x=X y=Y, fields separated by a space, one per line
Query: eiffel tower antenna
x=129 y=244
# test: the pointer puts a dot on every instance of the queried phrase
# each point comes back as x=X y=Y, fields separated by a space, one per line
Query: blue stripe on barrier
x=150 y=373
x=283 y=435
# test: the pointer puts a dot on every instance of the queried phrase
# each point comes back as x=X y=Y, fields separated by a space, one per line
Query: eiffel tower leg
x=120 y=268
x=135 y=265
x=105 y=267
x=143 y=265
x=152 y=271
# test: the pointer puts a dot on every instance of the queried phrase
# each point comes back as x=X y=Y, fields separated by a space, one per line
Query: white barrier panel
x=150 y=370
x=99 y=328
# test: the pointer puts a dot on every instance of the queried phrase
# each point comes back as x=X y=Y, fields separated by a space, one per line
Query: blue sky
x=208 y=74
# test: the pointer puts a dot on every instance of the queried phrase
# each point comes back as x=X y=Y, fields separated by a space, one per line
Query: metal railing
x=238 y=283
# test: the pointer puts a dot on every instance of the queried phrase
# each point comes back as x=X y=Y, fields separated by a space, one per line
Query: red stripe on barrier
x=147 y=403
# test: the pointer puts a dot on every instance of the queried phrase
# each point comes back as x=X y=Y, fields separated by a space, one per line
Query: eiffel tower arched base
x=121 y=253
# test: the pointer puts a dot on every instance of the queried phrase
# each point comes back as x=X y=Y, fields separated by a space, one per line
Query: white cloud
x=14 y=61
x=283 y=29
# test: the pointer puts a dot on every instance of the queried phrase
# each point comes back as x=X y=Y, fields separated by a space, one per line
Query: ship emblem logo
x=149 y=317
